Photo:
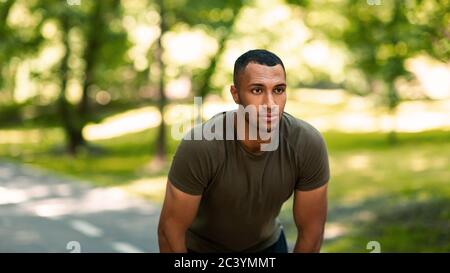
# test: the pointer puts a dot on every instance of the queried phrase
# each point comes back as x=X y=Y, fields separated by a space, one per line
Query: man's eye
x=256 y=90
x=279 y=90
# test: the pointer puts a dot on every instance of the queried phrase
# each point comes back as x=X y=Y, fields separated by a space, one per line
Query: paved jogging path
x=41 y=212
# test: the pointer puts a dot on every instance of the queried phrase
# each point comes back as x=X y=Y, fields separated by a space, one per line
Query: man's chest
x=265 y=182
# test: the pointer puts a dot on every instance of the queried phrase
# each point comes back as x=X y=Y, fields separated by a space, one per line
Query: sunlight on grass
x=334 y=230
x=343 y=112
x=150 y=188
x=20 y=136
x=330 y=110
x=125 y=123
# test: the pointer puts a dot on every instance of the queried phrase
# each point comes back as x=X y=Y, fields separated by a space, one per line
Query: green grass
x=113 y=162
x=398 y=195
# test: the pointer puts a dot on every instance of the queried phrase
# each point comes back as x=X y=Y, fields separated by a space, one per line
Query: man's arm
x=310 y=213
x=178 y=213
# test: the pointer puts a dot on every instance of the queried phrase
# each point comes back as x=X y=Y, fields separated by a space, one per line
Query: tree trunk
x=93 y=40
x=393 y=100
x=4 y=12
x=71 y=128
x=205 y=86
x=161 y=138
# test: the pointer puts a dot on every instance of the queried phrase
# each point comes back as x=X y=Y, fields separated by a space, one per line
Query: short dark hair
x=259 y=56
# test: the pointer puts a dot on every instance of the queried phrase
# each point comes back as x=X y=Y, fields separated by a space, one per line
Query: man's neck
x=250 y=145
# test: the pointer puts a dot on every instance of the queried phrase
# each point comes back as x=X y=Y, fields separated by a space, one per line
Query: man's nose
x=269 y=102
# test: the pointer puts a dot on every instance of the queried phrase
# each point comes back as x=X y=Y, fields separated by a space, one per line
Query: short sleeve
x=192 y=166
x=314 y=169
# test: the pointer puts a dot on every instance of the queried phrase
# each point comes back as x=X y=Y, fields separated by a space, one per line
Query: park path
x=41 y=212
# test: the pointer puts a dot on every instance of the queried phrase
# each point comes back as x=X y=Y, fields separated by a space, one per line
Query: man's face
x=264 y=87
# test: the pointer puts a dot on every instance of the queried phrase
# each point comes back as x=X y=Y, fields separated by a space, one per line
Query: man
x=225 y=195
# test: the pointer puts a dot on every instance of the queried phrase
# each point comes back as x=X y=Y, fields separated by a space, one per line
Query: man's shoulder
x=202 y=137
x=298 y=132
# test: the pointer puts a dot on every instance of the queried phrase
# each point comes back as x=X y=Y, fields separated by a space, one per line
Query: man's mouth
x=270 y=118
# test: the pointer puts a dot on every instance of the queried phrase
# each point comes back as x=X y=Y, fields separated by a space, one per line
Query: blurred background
x=91 y=90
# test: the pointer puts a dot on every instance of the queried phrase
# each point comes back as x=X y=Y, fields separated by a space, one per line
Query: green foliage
x=380 y=38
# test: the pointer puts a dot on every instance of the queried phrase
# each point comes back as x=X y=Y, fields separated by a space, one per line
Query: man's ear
x=234 y=93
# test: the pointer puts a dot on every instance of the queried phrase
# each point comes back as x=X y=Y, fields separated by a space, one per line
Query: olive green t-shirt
x=242 y=193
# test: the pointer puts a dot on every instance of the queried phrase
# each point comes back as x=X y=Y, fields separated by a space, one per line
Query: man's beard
x=262 y=123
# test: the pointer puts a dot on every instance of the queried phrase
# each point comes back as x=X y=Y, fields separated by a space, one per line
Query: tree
x=380 y=38
x=5 y=35
x=191 y=13
x=71 y=124
x=162 y=101
x=15 y=43
x=220 y=24
x=66 y=17
x=102 y=48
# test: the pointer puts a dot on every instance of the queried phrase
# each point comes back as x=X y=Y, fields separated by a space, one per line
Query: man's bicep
x=310 y=208
x=179 y=208
x=314 y=169
x=192 y=167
